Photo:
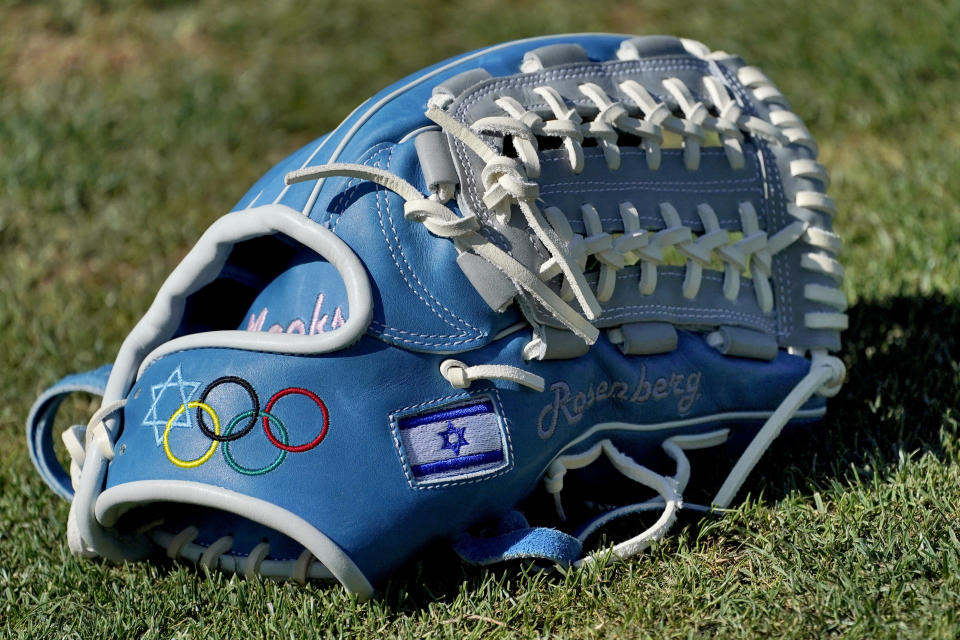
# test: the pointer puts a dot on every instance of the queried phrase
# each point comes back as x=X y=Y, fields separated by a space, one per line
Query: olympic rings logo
x=248 y=419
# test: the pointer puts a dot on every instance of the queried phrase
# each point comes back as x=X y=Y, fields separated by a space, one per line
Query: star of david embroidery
x=453 y=438
x=181 y=391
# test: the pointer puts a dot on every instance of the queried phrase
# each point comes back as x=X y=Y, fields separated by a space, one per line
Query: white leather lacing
x=669 y=488
x=460 y=375
x=78 y=438
x=752 y=253
x=508 y=181
x=825 y=377
x=807 y=205
x=647 y=118
x=216 y=555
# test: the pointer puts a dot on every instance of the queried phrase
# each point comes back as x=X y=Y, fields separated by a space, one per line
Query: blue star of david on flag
x=453 y=438
x=167 y=397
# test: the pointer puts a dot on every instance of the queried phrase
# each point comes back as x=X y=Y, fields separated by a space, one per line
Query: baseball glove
x=506 y=266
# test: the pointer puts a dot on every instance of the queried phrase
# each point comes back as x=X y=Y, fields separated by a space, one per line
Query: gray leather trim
x=650 y=46
x=645 y=338
x=709 y=309
x=435 y=160
x=459 y=83
x=495 y=288
x=555 y=344
x=553 y=55
x=744 y=343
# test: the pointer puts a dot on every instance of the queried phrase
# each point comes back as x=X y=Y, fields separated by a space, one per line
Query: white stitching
x=652 y=184
x=785 y=298
x=396 y=237
x=671 y=190
x=385 y=334
x=368 y=155
x=380 y=219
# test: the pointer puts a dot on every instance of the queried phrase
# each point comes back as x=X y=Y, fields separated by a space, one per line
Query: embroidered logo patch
x=167 y=396
x=452 y=442
x=219 y=429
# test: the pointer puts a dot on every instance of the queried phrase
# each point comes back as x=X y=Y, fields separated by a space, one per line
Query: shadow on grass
x=903 y=359
x=901 y=396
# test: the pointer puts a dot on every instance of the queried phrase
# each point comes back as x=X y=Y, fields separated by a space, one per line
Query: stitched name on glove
x=318 y=322
x=685 y=387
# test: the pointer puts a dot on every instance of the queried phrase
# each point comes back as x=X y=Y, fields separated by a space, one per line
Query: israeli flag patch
x=465 y=439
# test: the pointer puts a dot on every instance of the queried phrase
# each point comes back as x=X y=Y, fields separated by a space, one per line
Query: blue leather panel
x=353 y=485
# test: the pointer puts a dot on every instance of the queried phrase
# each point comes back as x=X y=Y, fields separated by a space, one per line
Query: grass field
x=127 y=127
